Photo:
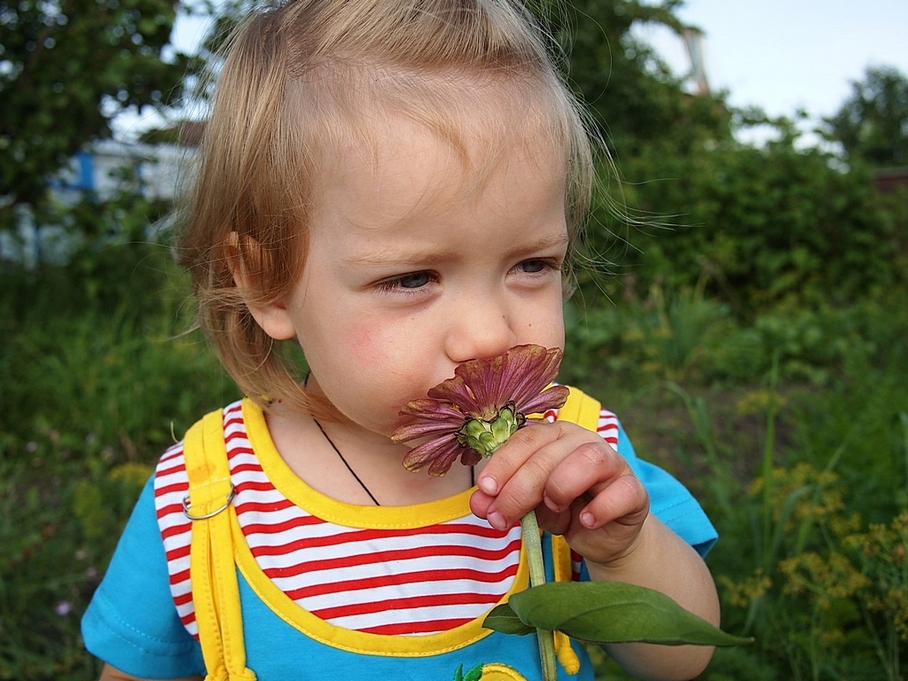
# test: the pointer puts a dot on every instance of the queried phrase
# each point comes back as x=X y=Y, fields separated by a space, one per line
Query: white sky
x=785 y=55
x=781 y=55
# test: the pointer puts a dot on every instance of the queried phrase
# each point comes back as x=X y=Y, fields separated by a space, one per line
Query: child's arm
x=109 y=673
x=664 y=562
x=582 y=489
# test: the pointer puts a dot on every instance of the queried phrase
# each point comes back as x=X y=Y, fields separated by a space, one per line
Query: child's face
x=414 y=266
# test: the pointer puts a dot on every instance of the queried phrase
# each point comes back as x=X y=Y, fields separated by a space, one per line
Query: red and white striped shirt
x=407 y=580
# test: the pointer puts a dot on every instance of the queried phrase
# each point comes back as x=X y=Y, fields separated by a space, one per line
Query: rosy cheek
x=379 y=352
x=366 y=346
x=397 y=362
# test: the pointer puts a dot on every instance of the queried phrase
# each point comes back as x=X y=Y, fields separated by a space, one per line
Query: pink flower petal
x=439 y=454
x=414 y=431
x=530 y=369
x=455 y=391
x=469 y=457
x=553 y=398
x=435 y=418
x=482 y=377
x=479 y=388
x=434 y=409
x=441 y=465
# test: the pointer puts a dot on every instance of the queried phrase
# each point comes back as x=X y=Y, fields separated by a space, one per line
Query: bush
x=765 y=227
x=98 y=378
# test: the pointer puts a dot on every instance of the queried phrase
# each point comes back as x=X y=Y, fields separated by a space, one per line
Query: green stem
x=545 y=637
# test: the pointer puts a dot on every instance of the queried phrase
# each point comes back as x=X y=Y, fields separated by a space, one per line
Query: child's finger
x=514 y=454
x=623 y=499
x=585 y=470
x=522 y=471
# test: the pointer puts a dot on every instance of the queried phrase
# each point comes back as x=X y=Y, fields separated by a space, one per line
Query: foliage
x=757 y=227
x=98 y=378
x=61 y=511
x=766 y=227
x=810 y=504
x=68 y=68
x=833 y=598
x=688 y=337
x=811 y=557
x=605 y=612
x=740 y=264
x=872 y=124
x=631 y=92
x=70 y=342
x=754 y=227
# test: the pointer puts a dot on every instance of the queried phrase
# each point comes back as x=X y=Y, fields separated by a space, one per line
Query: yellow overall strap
x=215 y=593
x=583 y=410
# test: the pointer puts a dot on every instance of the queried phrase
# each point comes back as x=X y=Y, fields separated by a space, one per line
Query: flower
x=476 y=411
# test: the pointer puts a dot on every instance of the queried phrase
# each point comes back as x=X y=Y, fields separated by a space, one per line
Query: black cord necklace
x=349 y=468
x=352 y=472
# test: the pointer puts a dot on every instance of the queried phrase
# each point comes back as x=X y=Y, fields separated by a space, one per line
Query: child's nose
x=478 y=328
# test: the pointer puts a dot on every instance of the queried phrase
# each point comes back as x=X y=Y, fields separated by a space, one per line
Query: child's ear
x=273 y=317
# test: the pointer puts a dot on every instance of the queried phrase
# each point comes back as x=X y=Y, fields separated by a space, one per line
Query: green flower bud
x=484 y=437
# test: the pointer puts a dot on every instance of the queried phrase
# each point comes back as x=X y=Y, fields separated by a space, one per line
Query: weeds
x=792 y=431
x=95 y=385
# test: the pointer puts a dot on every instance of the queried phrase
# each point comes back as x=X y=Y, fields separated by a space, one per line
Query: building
x=100 y=172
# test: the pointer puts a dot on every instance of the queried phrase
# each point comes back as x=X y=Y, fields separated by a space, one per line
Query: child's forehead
x=404 y=168
x=480 y=118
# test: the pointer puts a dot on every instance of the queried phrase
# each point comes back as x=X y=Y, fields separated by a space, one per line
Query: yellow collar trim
x=385 y=517
x=358 y=641
x=326 y=508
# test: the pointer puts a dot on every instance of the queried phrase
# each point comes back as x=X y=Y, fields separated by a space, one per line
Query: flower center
x=485 y=436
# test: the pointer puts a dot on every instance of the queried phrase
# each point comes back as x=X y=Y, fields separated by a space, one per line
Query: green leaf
x=612 y=612
x=475 y=674
x=503 y=619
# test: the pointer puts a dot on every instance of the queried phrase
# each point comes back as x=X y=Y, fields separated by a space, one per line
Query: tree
x=67 y=67
x=632 y=93
x=872 y=124
x=757 y=227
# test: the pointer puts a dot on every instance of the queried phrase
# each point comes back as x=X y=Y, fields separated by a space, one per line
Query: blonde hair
x=293 y=80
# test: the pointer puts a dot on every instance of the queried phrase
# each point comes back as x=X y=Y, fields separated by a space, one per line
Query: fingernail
x=588 y=520
x=497 y=520
x=488 y=485
x=551 y=505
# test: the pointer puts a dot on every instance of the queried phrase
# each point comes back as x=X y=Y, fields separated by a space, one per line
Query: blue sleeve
x=132 y=622
x=670 y=501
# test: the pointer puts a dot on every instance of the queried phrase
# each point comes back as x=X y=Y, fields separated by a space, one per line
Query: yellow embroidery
x=496 y=671
x=493 y=671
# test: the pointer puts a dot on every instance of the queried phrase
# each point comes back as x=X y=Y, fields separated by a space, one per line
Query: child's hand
x=580 y=487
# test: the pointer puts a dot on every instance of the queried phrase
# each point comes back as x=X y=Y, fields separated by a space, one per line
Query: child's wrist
x=624 y=564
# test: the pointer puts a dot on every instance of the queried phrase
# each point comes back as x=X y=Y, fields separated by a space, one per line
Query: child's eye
x=536 y=265
x=409 y=282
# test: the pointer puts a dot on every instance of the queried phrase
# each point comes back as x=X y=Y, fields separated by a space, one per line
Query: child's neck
x=318 y=459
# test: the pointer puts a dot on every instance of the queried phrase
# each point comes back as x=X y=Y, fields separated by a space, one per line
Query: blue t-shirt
x=133 y=625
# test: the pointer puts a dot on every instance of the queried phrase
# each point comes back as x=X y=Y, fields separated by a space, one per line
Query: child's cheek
x=372 y=350
x=393 y=359
x=368 y=344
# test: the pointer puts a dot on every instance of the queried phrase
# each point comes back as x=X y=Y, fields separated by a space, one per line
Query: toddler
x=398 y=187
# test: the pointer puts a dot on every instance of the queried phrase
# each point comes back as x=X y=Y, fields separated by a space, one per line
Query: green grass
x=784 y=428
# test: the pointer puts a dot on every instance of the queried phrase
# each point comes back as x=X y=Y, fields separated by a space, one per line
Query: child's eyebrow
x=423 y=257
x=544 y=243
x=397 y=256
